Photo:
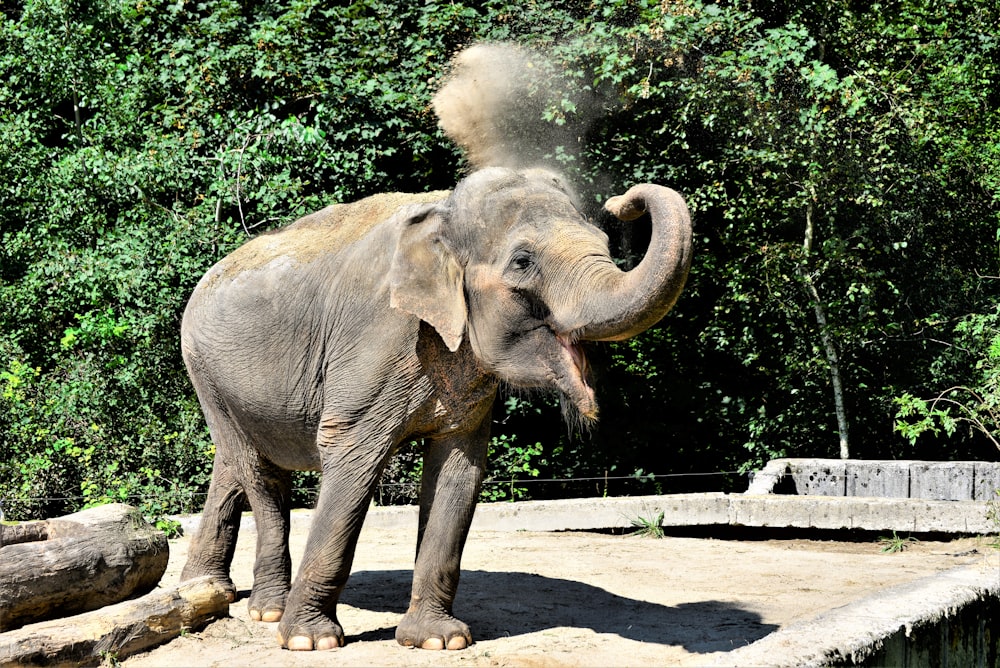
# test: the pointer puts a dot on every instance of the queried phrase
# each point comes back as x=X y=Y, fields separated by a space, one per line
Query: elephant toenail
x=328 y=642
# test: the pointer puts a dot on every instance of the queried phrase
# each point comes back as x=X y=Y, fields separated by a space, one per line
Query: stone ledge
x=707 y=509
x=864 y=513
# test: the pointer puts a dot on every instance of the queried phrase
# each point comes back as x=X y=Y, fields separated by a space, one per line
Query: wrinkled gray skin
x=326 y=344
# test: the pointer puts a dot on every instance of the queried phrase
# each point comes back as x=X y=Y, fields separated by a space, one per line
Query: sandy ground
x=574 y=599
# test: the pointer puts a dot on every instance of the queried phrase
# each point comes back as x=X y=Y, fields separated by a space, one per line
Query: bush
x=144 y=141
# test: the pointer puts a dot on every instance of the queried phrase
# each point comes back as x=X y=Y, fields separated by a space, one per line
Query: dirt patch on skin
x=331 y=228
x=573 y=599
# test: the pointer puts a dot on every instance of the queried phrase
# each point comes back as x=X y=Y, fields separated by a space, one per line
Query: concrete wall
x=714 y=508
x=966 y=637
x=949 y=619
x=902 y=479
x=912 y=496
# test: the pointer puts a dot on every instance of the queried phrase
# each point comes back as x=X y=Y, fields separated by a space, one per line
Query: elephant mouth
x=576 y=353
x=578 y=390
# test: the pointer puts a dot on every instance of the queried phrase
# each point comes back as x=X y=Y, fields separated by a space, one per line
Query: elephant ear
x=426 y=279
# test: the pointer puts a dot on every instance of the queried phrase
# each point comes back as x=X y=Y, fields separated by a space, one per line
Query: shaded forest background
x=841 y=159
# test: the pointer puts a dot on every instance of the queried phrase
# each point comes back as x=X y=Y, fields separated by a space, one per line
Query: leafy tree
x=143 y=141
x=974 y=403
x=834 y=227
x=841 y=161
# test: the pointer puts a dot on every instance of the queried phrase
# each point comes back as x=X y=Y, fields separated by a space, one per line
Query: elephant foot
x=320 y=633
x=264 y=607
x=432 y=630
x=266 y=614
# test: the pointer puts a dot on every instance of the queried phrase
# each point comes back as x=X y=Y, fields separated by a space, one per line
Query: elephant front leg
x=350 y=472
x=453 y=473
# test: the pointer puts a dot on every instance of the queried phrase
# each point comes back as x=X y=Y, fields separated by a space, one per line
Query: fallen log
x=117 y=631
x=77 y=563
x=23 y=533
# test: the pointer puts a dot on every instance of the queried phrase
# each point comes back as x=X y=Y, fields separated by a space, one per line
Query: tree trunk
x=76 y=563
x=117 y=631
x=829 y=346
x=833 y=361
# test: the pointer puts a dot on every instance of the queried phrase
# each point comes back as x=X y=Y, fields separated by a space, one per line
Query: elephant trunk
x=627 y=303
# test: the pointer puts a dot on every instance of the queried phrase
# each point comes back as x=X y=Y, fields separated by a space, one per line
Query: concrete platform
x=944 y=619
x=949 y=619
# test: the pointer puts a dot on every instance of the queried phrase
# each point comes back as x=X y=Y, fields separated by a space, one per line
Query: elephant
x=326 y=344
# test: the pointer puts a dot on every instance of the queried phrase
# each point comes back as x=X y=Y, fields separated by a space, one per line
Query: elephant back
x=324 y=231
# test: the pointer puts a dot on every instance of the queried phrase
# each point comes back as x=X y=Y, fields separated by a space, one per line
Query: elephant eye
x=522 y=261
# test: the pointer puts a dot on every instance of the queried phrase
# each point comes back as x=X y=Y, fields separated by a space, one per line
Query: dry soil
x=574 y=599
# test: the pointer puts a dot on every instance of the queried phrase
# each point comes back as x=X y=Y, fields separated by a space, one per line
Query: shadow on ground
x=498 y=605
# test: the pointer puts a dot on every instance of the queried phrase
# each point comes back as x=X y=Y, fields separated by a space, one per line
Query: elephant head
x=509 y=262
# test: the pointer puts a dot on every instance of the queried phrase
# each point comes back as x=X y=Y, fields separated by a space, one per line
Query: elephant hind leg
x=211 y=551
x=265 y=489
x=214 y=543
x=269 y=492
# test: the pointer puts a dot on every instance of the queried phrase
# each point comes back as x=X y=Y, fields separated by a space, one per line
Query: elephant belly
x=267 y=413
x=288 y=445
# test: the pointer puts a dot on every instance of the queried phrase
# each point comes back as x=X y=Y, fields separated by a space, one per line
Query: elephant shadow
x=503 y=604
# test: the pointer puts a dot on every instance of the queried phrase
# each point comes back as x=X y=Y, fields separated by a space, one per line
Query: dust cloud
x=509 y=106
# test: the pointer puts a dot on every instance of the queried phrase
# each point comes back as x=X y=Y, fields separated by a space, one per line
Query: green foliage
x=993 y=516
x=838 y=158
x=510 y=463
x=400 y=482
x=974 y=402
x=109 y=658
x=894 y=544
x=763 y=123
x=648 y=527
x=171 y=528
x=142 y=142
